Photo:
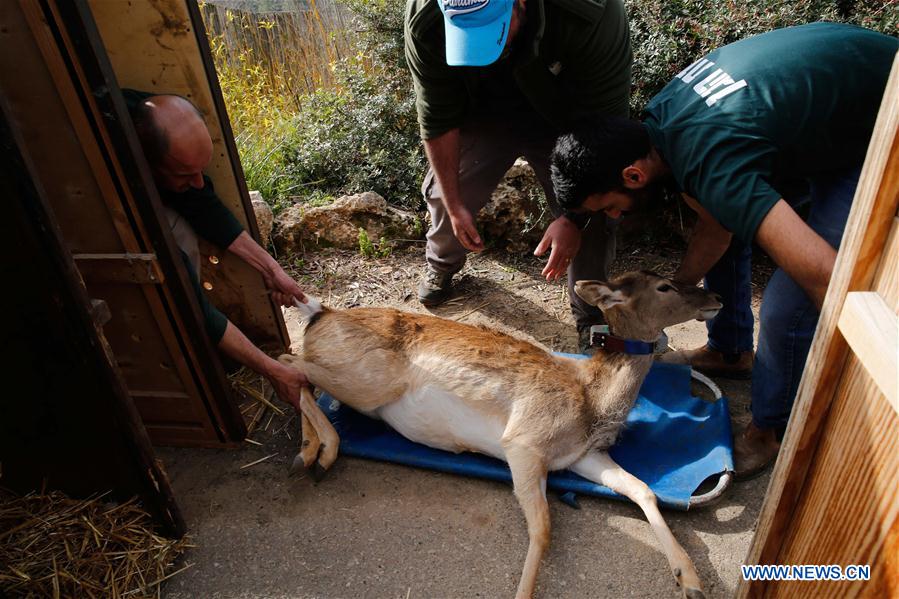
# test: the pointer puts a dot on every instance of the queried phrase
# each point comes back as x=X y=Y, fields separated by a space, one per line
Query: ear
x=600 y=294
x=633 y=176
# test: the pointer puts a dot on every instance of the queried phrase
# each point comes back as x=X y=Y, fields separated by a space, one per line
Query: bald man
x=178 y=148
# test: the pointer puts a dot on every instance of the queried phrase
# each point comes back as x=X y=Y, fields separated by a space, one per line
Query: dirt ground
x=380 y=530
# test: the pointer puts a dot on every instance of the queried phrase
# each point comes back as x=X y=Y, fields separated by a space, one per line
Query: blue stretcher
x=672 y=441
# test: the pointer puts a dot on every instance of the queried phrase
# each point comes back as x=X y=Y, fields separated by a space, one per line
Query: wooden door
x=64 y=100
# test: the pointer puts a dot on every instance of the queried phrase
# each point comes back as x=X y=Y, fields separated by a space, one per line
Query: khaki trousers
x=487 y=150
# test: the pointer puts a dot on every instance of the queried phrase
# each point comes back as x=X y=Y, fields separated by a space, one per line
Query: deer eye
x=664 y=288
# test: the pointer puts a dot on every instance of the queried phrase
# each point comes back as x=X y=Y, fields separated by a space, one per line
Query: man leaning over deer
x=178 y=149
x=733 y=132
x=499 y=79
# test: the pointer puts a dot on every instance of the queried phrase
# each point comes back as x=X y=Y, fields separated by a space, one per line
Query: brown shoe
x=754 y=450
x=711 y=362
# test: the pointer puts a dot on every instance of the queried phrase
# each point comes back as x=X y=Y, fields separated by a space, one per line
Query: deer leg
x=310 y=445
x=330 y=441
x=599 y=467
x=529 y=478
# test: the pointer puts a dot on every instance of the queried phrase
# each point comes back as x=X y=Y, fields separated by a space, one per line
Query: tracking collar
x=601 y=337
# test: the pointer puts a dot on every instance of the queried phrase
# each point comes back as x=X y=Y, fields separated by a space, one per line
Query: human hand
x=287 y=382
x=283 y=288
x=465 y=230
x=564 y=238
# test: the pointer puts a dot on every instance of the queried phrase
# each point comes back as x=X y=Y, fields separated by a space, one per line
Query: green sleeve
x=441 y=95
x=599 y=65
x=214 y=321
x=205 y=212
x=728 y=172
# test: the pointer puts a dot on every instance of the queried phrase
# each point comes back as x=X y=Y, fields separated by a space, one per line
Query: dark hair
x=153 y=138
x=590 y=159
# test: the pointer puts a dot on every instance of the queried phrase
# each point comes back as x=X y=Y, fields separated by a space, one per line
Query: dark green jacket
x=575 y=63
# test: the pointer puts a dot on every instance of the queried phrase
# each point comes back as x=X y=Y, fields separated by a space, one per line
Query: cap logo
x=452 y=8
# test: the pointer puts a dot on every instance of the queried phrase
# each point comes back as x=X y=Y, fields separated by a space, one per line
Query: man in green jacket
x=178 y=148
x=499 y=79
x=735 y=132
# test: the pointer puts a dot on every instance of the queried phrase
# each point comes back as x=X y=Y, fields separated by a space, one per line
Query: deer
x=459 y=387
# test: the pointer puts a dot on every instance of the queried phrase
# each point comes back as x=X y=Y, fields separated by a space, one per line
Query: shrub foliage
x=356 y=129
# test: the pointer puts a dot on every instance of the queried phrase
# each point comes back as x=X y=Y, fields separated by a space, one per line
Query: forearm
x=252 y=253
x=796 y=248
x=707 y=244
x=443 y=156
x=236 y=345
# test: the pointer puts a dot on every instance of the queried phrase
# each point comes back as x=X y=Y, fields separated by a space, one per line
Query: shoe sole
x=432 y=302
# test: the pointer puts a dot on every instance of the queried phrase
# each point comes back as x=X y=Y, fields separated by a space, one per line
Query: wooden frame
x=834 y=497
x=71 y=424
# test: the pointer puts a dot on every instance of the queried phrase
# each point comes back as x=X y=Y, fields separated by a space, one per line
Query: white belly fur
x=437 y=418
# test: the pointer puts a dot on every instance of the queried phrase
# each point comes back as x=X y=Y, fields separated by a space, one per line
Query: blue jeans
x=787 y=317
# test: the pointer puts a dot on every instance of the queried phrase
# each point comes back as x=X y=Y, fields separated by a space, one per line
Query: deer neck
x=613 y=378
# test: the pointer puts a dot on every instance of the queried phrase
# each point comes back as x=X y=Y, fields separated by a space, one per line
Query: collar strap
x=601 y=337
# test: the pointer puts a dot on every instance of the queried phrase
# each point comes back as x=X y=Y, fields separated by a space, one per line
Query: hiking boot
x=754 y=450
x=435 y=287
x=712 y=363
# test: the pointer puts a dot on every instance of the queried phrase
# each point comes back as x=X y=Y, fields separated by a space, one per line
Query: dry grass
x=53 y=546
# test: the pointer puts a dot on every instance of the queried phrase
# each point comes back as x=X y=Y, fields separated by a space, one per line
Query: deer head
x=638 y=305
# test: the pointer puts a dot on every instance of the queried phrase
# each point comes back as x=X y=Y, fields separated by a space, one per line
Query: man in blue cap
x=499 y=79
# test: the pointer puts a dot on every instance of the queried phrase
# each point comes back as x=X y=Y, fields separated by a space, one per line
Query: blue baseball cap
x=476 y=30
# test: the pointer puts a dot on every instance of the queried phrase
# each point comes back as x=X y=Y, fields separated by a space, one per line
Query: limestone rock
x=337 y=224
x=516 y=215
x=265 y=219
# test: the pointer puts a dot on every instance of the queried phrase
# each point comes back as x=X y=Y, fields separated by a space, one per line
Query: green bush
x=362 y=136
x=668 y=35
x=361 y=132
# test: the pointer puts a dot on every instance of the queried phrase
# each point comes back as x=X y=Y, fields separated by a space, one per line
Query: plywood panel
x=153 y=46
x=848 y=510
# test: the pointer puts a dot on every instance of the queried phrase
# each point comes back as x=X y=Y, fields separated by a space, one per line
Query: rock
x=337 y=224
x=265 y=219
x=516 y=215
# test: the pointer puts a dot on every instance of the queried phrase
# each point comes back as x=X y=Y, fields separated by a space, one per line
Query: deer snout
x=710 y=310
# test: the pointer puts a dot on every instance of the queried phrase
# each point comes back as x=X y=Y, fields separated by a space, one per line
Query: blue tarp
x=672 y=441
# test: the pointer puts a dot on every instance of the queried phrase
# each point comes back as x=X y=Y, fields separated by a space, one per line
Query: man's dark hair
x=590 y=159
x=153 y=138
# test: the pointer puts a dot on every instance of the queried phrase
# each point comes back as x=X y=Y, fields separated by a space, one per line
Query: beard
x=652 y=195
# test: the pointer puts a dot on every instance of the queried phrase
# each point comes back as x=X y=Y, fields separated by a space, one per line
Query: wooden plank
x=888 y=273
x=872 y=331
x=139 y=269
x=848 y=511
x=874 y=207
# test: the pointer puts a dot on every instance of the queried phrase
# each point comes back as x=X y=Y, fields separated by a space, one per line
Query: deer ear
x=599 y=294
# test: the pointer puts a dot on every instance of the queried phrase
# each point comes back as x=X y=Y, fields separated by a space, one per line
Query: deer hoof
x=298 y=464
x=317 y=472
x=694 y=594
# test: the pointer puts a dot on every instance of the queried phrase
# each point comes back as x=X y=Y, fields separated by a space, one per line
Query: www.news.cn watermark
x=806 y=572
